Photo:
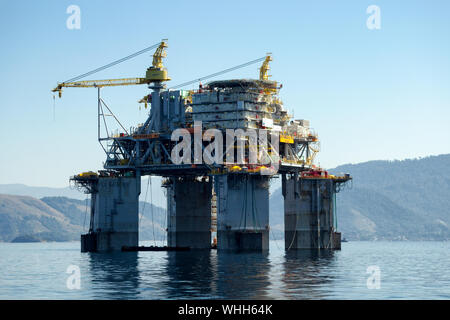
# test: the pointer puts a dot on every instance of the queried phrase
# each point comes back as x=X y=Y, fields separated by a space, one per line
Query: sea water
x=361 y=270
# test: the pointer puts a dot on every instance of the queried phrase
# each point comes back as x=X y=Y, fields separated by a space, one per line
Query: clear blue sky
x=370 y=94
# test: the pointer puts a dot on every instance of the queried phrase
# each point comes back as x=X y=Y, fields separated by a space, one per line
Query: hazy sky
x=370 y=94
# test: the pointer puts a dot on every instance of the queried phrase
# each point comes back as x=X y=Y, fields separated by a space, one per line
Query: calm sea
x=362 y=270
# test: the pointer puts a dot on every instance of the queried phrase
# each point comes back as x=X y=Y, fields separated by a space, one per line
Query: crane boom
x=100 y=83
x=156 y=73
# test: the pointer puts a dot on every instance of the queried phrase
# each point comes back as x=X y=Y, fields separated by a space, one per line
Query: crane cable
x=296 y=216
x=113 y=63
x=149 y=185
x=151 y=209
x=85 y=213
x=54 y=106
x=219 y=73
x=152 y=47
x=145 y=201
x=165 y=212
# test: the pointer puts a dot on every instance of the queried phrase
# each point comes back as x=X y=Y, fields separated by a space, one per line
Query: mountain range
x=24 y=218
x=391 y=200
x=386 y=200
x=407 y=199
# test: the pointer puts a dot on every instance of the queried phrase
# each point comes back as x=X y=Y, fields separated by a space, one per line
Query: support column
x=242 y=212
x=115 y=221
x=309 y=214
x=189 y=212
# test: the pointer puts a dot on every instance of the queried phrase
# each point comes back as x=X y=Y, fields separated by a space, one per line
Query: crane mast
x=263 y=71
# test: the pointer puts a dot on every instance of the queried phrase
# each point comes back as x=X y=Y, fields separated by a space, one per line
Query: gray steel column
x=308 y=214
x=116 y=218
x=242 y=212
x=308 y=218
x=189 y=213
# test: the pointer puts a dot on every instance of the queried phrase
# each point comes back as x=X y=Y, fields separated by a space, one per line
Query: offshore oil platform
x=217 y=193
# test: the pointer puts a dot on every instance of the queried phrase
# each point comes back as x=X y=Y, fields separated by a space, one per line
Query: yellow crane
x=263 y=71
x=155 y=74
x=159 y=54
x=145 y=100
x=264 y=75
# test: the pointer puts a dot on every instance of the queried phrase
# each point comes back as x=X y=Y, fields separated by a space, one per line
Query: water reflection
x=243 y=275
x=190 y=275
x=114 y=275
x=306 y=272
x=38 y=271
x=216 y=275
x=300 y=274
